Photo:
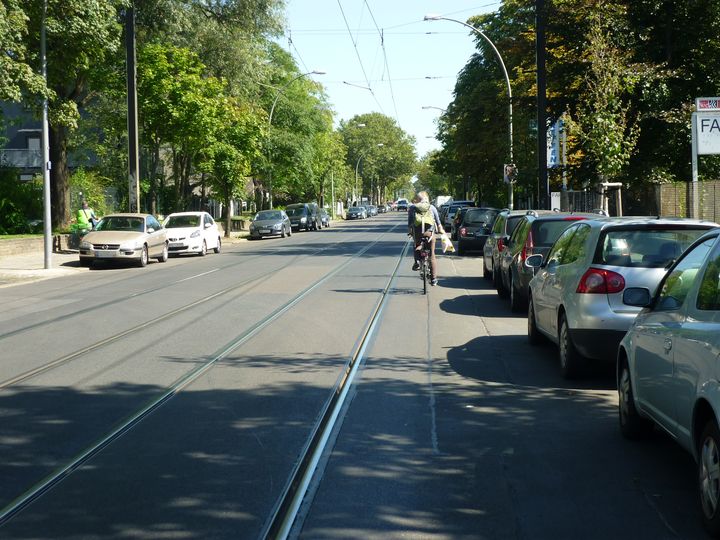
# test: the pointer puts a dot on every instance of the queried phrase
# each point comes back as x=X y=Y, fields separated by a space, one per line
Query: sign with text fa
x=703 y=104
x=707 y=126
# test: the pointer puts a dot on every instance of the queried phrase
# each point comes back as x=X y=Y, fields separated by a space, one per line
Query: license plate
x=265 y=231
x=176 y=244
x=104 y=254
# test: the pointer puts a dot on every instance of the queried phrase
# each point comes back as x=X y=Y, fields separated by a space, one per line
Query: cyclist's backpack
x=423 y=215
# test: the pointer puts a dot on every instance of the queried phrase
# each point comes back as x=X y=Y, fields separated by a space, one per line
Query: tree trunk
x=59 y=178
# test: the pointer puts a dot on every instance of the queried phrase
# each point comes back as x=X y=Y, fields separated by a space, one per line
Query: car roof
x=632 y=221
x=129 y=214
x=198 y=213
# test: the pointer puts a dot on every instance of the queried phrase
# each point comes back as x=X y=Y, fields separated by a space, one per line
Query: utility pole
x=132 y=119
x=47 y=224
x=543 y=186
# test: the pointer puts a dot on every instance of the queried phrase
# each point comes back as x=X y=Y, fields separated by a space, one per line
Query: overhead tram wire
x=357 y=53
x=291 y=45
x=385 y=58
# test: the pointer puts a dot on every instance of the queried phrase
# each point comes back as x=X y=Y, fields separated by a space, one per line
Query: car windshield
x=268 y=215
x=644 y=247
x=298 y=211
x=475 y=217
x=175 y=222
x=121 y=223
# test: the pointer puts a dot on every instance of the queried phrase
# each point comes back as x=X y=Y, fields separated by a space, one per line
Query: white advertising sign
x=707 y=125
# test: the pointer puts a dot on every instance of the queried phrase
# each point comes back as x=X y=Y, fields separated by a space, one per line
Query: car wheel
x=203 y=249
x=499 y=287
x=515 y=298
x=487 y=274
x=709 y=476
x=570 y=358
x=460 y=249
x=282 y=233
x=632 y=425
x=164 y=257
x=143 y=257
x=219 y=246
x=534 y=336
x=289 y=231
x=87 y=263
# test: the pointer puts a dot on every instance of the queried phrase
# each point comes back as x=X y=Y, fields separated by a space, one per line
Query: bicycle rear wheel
x=424 y=271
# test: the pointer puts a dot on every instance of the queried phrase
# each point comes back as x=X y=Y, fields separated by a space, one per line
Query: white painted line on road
x=197 y=275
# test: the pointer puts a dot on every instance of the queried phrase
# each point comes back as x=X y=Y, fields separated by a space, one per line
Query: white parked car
x=192 y=232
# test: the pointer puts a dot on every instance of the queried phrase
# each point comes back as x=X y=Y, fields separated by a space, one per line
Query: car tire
x=289 y=231
x=203 y=249
x=708 y=471
x=86 y=263
x=282 y=233
x=534 y=336
x=570 y=359
x=460 y=249
x=164 y=257
x=632 y=425
x=143 y=257
x=487 y=274
x=516 y=303
x=499 y=287
x=218 y=248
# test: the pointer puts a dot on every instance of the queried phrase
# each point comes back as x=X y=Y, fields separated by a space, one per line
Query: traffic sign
x=707 y=127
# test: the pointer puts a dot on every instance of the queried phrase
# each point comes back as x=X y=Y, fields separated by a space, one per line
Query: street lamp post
x=270 y=117
x=357 y=165
x=507 y=82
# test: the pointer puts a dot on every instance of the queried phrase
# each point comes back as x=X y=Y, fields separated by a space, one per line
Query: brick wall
x=14 y=246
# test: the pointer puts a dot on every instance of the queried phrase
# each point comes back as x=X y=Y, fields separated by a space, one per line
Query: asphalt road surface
x=176 y=401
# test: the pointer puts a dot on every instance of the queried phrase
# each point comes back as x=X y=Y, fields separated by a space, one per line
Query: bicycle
x=425 y=260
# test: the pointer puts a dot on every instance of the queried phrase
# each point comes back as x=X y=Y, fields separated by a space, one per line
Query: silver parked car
x=125 y=237
x=667 y=366
x=576 y=297
x=270 y=223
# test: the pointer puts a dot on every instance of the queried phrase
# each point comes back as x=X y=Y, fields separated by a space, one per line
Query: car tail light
x=598 y=281
x=500 y=244
x=463 y=232
x=527 y=249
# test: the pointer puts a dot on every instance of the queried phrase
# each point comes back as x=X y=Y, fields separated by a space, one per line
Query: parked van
x=304 y=216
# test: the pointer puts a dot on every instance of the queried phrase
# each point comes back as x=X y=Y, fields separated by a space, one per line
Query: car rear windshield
x=175 y=222
x=545 y=232
x=512 y=223
x=651 y=247
x=475 y=217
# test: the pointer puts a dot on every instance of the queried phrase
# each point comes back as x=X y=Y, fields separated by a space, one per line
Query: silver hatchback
x=576 y=297
x=667 y=366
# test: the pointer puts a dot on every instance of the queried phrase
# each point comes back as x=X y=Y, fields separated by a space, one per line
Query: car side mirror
x=534 y=261
x=637 y=296
x=208 y=225
x=150 y=230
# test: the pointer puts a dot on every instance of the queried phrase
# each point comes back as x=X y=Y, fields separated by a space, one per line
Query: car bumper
x=472 y=242
x=110 y=255
x=259 y=234
x=597 y=344
x=181 y=247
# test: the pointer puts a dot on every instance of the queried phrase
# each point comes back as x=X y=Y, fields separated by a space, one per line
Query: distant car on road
x=125 y=237
x=356 y=212
x=270 y=223
x=192 y=232
x=402 y=205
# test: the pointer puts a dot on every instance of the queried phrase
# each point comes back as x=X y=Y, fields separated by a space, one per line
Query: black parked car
x=495 y=244
x=474 y=229
x=536 y=233
x=304 y=216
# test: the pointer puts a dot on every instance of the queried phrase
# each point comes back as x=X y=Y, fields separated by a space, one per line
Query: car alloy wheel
x=632 y=425
x=282 y=233
x=709 y=476
x=533 y=332
x=569 y=356
x=143 y=256
x=164 y=257
x=203 y=249
x=219 y=245
x=515 y=302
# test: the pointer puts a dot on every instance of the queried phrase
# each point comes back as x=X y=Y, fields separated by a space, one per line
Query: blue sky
x=415 y=64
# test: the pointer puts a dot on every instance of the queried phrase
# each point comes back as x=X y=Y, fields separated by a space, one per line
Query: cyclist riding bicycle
x=423 y=219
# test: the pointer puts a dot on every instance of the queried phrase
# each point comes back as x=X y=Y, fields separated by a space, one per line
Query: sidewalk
x=29 y=267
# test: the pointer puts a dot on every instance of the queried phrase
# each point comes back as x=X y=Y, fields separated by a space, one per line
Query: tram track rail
x=130 y=421
x=150 y=290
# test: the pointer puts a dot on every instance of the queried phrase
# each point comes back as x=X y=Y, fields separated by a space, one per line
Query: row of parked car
x=641 y=292
x=365 y=211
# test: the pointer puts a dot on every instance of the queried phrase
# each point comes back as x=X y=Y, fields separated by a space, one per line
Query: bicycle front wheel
x=424 y=271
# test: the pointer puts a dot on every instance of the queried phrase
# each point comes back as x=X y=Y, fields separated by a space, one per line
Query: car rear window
x=479 y=216
x=644 y=247
x=545 y=232
x=512 y=223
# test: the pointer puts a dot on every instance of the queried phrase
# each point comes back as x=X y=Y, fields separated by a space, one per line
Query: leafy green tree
x=17 y=77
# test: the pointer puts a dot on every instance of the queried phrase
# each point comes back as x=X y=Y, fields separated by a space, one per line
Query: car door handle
x=667 y=345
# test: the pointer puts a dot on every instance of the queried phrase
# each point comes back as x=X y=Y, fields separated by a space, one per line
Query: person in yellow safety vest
x=86 y=217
